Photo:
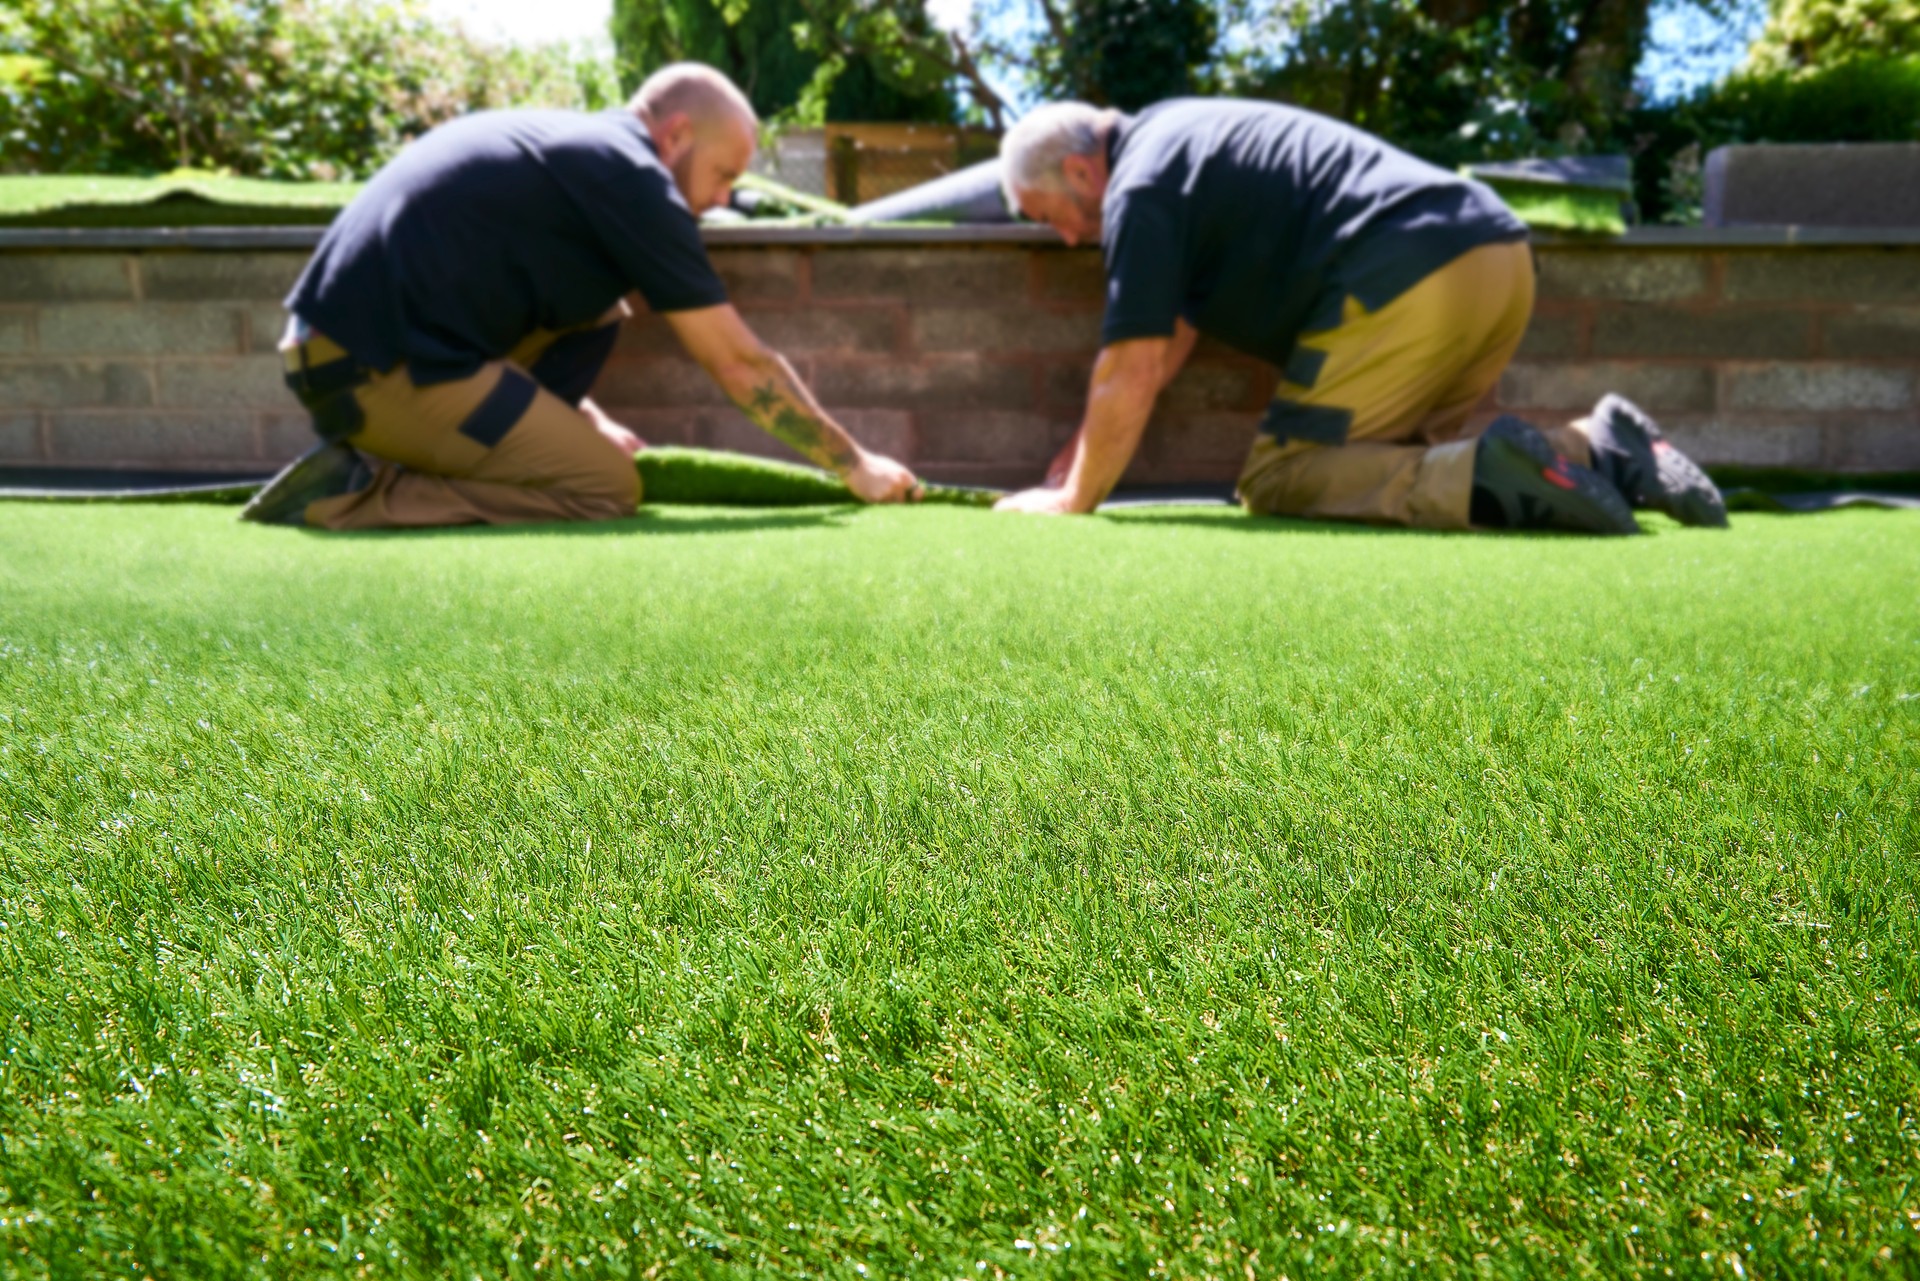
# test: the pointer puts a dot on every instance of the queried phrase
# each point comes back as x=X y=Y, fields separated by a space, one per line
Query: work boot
x=1519 y=477
x=1629 y=450
x=327 y=469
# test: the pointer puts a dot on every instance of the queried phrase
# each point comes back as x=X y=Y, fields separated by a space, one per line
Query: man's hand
x=875 y=478
x=621 y=436
x=1041 y=502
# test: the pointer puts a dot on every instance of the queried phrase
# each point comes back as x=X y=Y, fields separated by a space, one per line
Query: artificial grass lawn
x=941 y=893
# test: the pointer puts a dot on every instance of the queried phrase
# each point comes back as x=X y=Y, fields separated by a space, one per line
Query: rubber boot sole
x=1645 y=466
x=323 y=471
x=1537 y=488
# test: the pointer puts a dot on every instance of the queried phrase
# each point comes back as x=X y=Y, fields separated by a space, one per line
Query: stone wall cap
x=243 y=239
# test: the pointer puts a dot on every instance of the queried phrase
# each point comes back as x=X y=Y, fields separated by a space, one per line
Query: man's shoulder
x=530 y=133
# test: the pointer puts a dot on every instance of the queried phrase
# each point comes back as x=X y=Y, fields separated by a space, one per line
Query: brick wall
x=146 y=360
x=970 y=359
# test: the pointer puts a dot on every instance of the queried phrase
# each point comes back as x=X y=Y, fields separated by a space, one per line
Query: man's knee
x=608 y=489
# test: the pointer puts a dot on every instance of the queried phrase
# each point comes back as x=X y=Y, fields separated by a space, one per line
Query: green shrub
x=1807 y=34
x=299 y=89
x=1858 y=100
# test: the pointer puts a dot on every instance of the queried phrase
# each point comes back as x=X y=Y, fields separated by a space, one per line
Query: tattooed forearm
x=781 y=407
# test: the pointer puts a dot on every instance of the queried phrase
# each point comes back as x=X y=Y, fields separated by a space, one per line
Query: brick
x=74 y=384
x=1816 y=275
x=884 y=431
x=1064 y=383
x=16 y=332
x=1230 y=383
x=1822 y=388
x=753 y=275
x=829 y=329
x=139 y=329
x=1654 y=387
x=266 y=325
x=1209 y=387
x=950 y=276
x=61 y=277
x=1875 y=331
x=1071 y=275
x=194 y=277
x=647 y=334
x=249 y=382
x=646 y=383
x=1192 y=446
x=20 y=438
x=1736 y=334
x=1550 y=336
x=152 y=436
x=1882 y=446
x=1622 y=276
x=931 y=382
x=1746 y=442
x=1004 y=329
x=284 y=437
x=991 y=435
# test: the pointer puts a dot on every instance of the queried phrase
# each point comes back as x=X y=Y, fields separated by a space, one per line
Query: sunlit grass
x=940 y=893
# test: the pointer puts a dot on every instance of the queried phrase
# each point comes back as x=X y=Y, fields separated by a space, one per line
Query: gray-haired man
x=1389 y=293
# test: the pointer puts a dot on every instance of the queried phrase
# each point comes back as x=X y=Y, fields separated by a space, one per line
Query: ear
x=674 y=136
x=1077 y=171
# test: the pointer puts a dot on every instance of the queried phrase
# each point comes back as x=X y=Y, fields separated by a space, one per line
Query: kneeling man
x=455 y=316
x=1389 y=293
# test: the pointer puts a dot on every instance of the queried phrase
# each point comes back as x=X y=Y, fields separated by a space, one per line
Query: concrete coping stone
x=243 y=239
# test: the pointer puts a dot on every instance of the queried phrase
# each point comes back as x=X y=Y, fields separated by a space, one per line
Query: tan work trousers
x=496 y=448
x=1405 y=378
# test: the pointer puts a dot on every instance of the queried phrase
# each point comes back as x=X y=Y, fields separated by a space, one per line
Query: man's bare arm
x=1178 y=349
x=1184 y=337
x=1126 y=379
x=762 y=383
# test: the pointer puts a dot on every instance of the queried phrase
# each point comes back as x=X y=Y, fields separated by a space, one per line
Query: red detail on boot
x=1557 y=475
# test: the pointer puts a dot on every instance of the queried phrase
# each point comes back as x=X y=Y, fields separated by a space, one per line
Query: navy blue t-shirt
x=497 y=224
x=1255 y=222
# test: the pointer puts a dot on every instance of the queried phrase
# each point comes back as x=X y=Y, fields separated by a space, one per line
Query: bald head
x=696 y=91
x=702 y=127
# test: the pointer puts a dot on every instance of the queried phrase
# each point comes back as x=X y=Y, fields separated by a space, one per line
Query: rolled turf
x=840 y=891
x=676 y=474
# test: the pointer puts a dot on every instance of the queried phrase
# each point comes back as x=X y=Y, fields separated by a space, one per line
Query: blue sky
x=1688 y=48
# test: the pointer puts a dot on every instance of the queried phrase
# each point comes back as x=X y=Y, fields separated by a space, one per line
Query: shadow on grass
x=1241 y=522
x=645 y=523
x=1227 y=518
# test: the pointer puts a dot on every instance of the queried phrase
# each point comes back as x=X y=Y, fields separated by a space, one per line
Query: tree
x=1456 y=79
x=1119 y=53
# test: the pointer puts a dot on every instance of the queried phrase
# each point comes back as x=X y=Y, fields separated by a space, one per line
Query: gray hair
x=1033 y=150
x=704 y=94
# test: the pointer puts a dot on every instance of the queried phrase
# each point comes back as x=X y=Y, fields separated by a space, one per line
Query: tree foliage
x=1454 y=80
x=799 y=59
x=1120 y=53
x=1807 y=35
x=261 y=88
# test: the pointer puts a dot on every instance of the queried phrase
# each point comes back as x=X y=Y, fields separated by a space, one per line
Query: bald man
x=455 y=315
